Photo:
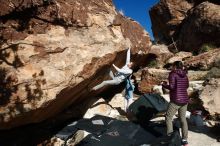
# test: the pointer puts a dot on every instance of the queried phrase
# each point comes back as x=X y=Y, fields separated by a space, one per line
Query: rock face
x=190 y=23
x=204 y=61
x=180 y=56
x=162 y=54
x=202 y=26
x=149 y=77
x=166 y=17
x=52 y=52
x=211 y=97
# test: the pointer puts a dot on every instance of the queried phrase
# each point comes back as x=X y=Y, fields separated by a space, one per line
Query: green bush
x=152 y=63
x=206 y=48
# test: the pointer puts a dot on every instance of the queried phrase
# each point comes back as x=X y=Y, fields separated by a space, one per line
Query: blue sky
x=137 y=10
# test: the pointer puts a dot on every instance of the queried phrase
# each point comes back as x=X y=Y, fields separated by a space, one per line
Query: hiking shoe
x=184 y=142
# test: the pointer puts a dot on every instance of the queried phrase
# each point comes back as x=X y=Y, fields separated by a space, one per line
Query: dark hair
x=178 y=64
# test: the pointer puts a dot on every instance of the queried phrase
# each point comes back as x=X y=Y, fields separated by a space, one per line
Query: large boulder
x=180 y=56
x=204 y=61
x=150 y=77
x=211 y=97
x=202 y=26
x=186 y=24
x=166 y=17
x=161 y=53
x=53 y=52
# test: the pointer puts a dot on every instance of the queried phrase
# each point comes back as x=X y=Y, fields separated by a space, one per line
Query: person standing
x=178 y=84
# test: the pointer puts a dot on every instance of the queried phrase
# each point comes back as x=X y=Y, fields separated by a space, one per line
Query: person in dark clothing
x=178 y=84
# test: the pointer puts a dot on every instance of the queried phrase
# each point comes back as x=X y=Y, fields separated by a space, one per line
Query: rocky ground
x=198 y=135
x=202 y=137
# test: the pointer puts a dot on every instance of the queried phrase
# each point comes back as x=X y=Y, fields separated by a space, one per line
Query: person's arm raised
x=122 y=70
x=117 y=69
x=128 y=57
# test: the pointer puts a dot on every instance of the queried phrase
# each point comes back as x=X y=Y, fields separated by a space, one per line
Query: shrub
x=206 y=47
x=152 y=63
